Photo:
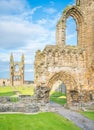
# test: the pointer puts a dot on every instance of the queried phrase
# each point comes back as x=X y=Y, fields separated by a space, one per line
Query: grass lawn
x=10 y=91
x=27 y=90
x=6 y=91
x=88 y=114
x=41 y=121
x=58 y=97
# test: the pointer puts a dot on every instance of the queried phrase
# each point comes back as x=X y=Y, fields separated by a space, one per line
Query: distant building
x=16 y=71
x=4 y=82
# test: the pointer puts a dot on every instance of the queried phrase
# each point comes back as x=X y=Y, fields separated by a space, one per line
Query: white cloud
x=28 y=14
x=12 y=6
x=42 y=21
x=18 y=33
x=49 y=22
x=50 y=10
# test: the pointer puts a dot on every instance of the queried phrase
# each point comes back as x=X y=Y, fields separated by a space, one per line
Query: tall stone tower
x=16 y=71
x=73 y=65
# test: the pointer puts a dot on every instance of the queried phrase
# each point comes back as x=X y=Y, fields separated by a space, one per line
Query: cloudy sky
x=27 y=26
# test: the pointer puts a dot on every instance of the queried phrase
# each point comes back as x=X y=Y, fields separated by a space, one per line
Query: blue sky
x=27 y=26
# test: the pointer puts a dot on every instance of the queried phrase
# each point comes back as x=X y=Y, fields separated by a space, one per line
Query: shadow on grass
x=6 y=93
x=88 y=114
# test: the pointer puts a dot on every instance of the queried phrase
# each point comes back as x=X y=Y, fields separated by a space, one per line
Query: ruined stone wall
x=4 y=82
x=73 y=65
x=55 y=59
x=16 y=72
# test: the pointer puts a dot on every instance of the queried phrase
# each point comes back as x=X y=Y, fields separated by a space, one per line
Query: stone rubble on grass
x=24 y=104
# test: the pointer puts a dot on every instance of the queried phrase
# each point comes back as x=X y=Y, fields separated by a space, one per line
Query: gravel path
x=78 y=119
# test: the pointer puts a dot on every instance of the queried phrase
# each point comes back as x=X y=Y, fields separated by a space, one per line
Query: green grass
x=58 y=98
x=25 y=90
x=88 y=114
x=10 y=91
x=42 y=121
x=14 y=99
x=6 y=91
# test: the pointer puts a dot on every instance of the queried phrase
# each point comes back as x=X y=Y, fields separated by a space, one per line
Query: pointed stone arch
x=65 y=77
x=77 y=15
x=68 y=80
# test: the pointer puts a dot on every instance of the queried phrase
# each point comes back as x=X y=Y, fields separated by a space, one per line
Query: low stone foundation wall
x=19 y=107
x=88 y=106
x=40 y=102
x=25 y=103
x=4 y=100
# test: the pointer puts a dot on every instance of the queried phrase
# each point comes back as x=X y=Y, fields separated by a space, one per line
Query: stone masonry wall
x=73 y=65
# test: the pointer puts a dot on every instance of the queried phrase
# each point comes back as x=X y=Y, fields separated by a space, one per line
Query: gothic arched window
x=71 y=32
